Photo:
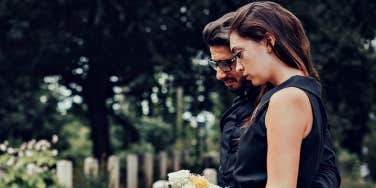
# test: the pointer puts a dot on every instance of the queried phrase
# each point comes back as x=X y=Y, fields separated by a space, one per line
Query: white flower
x=21 y=154
x=29 y=153
x=54 y=152
x=213 y=186
x=11 y=161
x=42 y=145
x=45 y=168
x=30 y=144
x=32 y=168
x=23 y=146
x=11 y=151
x=3 y=147
x=55 y=138
x=189 y=186
x=180 y=176
x=38 y=147
x=185 y=179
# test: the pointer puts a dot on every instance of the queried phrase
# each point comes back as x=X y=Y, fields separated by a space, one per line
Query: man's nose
x=220 y=74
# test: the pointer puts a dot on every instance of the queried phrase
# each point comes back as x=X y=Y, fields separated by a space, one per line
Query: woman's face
x=253 y=58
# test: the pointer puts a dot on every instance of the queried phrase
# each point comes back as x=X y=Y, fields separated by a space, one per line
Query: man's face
x=232 y=79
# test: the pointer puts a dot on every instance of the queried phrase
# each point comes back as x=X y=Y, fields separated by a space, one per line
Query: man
x=216 y=36
x=222 y=61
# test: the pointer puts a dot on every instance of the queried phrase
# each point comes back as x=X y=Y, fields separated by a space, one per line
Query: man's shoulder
x=241 y=107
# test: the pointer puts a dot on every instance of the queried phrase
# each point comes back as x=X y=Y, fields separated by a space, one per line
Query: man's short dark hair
x=216 y=33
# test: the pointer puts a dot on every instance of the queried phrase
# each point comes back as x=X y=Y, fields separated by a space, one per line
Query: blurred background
x=103 y=77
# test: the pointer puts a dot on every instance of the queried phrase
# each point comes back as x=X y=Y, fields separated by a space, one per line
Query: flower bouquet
x=185 y=179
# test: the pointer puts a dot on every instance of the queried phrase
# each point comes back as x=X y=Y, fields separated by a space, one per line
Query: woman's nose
x=239 y=67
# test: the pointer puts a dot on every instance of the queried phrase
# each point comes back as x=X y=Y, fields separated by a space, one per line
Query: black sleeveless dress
x=250 y=168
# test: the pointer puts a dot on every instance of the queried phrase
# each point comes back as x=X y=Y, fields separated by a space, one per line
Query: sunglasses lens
x=224 y=67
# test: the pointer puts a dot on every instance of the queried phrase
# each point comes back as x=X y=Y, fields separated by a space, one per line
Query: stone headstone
x=177 y=159
x=64 y=171
x=211 y=175
x=91 y=167
x=114 y=171
x=132 y=171
x=148 y=169
x=162 y=165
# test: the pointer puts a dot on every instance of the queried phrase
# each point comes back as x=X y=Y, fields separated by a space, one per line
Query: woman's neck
x=283 y=72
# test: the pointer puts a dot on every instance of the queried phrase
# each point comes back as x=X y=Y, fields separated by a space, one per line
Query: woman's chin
x=254 y=81
x=250 y=78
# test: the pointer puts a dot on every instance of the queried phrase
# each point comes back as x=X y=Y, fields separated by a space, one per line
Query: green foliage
x=340 y=34
x=76 y=137
x=349 y=165
x=357 y=185
x=29 y=166
x=154 y=135
x=94 y=180
x=370 y=156
x=23 y=114
x=155 y=132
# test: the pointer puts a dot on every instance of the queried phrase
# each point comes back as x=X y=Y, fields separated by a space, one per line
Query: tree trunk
x=95 y=97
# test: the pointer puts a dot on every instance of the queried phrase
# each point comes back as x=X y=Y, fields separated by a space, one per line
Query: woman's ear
x=270 y=41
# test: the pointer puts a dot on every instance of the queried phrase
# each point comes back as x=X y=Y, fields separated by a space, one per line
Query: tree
x=102 y=48
x=341 y=34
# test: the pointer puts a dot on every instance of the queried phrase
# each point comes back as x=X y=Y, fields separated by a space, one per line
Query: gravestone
x=113 y=167
x=132 y=171
x=211 y=175
x=64 y=172
x=148 y=169
x=91 y=167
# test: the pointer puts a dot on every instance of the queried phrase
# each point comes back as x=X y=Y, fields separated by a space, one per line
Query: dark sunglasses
x=224 y=65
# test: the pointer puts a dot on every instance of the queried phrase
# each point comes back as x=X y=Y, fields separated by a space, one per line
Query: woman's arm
x=288 y=121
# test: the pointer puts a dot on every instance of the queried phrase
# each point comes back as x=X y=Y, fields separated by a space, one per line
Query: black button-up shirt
x=231 y=122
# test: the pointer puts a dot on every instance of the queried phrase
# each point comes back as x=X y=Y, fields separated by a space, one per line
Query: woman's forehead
x=237 y=42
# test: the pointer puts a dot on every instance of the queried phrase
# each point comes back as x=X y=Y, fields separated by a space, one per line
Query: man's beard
x=245 y=88
x=240 y=90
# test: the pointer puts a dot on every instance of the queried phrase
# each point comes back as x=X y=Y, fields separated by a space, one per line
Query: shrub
x=30 y=165
x=370 y=154
x=349 y=165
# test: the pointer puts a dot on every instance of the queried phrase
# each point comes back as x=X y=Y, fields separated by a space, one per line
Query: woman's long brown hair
x=291 y=45
x=255 y=20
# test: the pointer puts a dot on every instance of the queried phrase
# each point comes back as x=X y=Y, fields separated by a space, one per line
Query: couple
x=275 y=134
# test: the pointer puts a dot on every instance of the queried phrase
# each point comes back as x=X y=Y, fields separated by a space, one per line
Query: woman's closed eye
x=238 y=55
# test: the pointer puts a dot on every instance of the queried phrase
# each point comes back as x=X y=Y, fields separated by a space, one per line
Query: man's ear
x=270 y=41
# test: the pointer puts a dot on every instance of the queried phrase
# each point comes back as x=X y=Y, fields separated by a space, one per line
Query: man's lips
x=229 y=81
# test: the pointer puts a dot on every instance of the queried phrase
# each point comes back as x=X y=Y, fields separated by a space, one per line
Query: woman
x=286 y=136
